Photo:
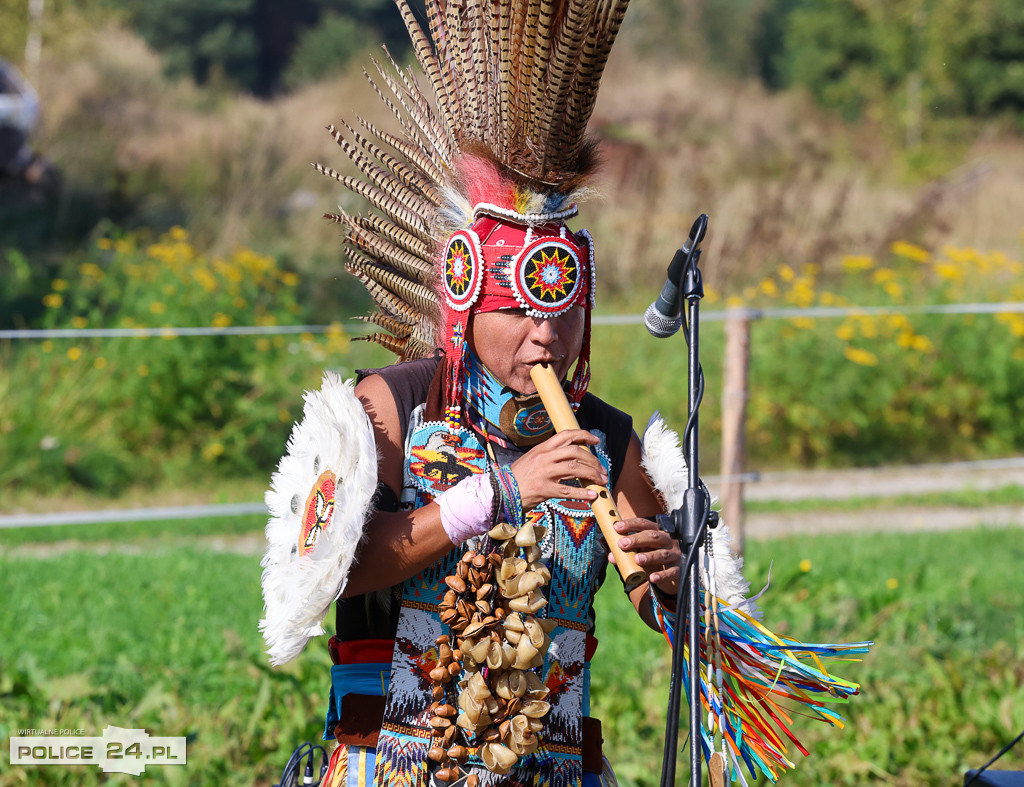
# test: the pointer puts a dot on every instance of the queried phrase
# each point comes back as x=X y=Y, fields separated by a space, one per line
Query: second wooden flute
x=562 y=417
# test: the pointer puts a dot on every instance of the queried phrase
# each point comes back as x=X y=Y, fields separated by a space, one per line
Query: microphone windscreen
x=658 y=325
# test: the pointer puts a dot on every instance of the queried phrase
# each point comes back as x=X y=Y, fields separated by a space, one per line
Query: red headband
x=507 y=260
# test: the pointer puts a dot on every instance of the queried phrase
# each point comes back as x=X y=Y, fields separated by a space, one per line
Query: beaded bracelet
x=496 y=507
x=511 y=502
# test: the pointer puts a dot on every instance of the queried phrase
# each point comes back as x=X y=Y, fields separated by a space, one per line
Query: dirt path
x=885 y=482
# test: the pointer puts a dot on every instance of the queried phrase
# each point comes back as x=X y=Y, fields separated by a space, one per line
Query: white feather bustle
x=333 y=436
x=666 y=467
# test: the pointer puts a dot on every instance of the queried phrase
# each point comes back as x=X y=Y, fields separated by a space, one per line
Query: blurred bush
x=899 y=387
x=107 y=413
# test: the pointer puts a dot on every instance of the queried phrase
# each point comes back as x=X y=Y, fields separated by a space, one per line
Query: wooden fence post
x=734 y=415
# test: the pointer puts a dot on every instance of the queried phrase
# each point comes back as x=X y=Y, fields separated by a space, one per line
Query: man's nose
x=544 y=331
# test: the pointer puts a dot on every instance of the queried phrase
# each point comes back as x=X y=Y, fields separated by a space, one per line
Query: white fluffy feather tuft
x=666 y=466
x=334 y=434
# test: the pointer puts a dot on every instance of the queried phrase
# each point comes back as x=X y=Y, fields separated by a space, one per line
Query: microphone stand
x=688 y=525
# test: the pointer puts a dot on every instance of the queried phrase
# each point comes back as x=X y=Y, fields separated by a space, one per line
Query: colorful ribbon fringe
x=746 y=674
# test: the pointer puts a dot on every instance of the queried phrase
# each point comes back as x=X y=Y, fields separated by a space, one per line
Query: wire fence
x=719 y=315
x=161 y=513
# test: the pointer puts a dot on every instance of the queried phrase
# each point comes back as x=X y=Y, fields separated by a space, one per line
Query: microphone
x=664 y=317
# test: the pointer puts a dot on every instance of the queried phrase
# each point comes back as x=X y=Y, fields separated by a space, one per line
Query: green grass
x=164 y=636
x=942 y=689
x=167 y=531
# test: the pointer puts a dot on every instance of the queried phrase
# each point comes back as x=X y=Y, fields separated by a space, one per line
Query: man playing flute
x=464 y=615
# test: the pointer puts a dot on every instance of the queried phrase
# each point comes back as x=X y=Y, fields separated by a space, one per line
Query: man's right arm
x=395 y=545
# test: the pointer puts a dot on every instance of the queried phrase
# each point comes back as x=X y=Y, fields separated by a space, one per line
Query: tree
x=251 y=42
x=963 y=56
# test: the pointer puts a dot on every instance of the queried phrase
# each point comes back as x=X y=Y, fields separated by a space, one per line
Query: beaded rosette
x=319 y=499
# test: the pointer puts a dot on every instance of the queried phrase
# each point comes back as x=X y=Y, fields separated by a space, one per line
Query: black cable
x=1005 y=749
x=290 y=774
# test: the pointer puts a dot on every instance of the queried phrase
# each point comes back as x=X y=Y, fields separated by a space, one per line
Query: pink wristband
x=466 y=508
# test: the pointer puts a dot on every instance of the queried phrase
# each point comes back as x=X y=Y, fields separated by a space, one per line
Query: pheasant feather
x=512 y=82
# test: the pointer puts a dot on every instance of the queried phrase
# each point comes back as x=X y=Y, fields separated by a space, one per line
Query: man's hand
x=542 y=471
x=657 y=553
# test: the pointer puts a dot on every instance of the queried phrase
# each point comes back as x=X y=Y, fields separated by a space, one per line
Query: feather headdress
x=495 y=136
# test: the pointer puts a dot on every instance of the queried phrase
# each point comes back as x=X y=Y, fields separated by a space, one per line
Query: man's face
x=510 y=343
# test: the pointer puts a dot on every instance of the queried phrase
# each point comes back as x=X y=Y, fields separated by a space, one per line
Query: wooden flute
x=562 y=417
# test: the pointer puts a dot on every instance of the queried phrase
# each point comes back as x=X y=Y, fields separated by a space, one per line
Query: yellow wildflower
x=262 y=344
x=79 y=322
x=220 y=320
x=858 y=262
x=894 y=290
x=178 y=233
x=802 y=293
x=861 y=357
x=212 y=451
x=157 y=307
x=284 y=416
x=205 y=279
x=142 y=370
x=950 y=272
x=910 y=250
x=105 y=244
x=883 y=275
x=733 y=302
x=59 y=285
x=892 y=583
x=846 y=331
x=47 y=346
x=923 y=344
x=769 y=288
x=100 y=363
x=53 y=300
x=92 y=270
x=805 y=565
x=74 y=353
x=289 y=279
x=786 y=273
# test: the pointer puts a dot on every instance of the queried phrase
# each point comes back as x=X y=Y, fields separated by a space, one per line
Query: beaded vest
x=434 y=463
